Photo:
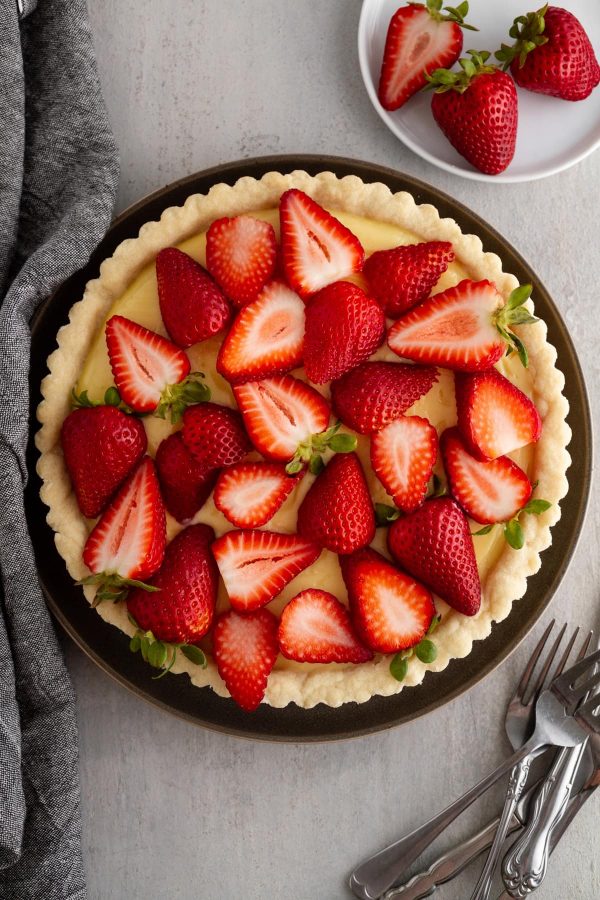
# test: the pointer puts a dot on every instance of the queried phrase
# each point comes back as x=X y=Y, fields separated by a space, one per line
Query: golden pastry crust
x=506 y=581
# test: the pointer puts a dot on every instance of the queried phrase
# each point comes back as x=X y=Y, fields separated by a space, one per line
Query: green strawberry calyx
x=161 y=654
x=447 y=13
x=512 y=530
x=112 y=586
x=425 y=651
x=111 y=398
x=528 y=34
x=309 y=451
x=514 y=313
x=443 y=80
x=175 y=398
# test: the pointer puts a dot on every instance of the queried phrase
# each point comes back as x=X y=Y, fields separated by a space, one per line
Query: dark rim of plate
x=108 y=647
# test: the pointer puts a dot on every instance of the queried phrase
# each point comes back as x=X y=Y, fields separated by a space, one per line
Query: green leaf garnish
x=536 y=507
x=385 y=514
x=514 y=534
x=194 y=654
x=485 y=530
x=399 y=667
x=426 y=651
x=434 y=623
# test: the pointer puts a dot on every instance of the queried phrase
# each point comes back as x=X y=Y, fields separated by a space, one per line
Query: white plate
x=552 y=135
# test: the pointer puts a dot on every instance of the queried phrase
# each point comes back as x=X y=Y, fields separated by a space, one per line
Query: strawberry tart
x=304 y=440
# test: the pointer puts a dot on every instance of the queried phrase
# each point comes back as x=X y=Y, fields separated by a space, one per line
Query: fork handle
x=525 y=864
x=379 y=872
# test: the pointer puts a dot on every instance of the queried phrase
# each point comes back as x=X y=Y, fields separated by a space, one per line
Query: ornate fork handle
x=525 y=864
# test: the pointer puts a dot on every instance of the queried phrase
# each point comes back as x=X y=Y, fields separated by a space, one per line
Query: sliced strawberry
x=214 y=435
x=257 y=565
x=375 y=393
x=390 y=610
x=494 y=416
x=337 y=511
x=128 y=541
x=245 y=649
x=316 y=248
x=143 y=363
x=185 y=484
x=281 y=413
x=343 y=327
x=241 y=254
x=315 y=627
x=182 y=609
x=404 y=276
x=435 y=545
x=464 y=328
x=266 y=338
x=192 y=306
x=489 y=492
x=101 y=446
x=403 y=455
x=249 y=494
x=419 y=39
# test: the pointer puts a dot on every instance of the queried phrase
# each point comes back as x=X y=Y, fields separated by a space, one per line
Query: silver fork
x=520 y=711
x=519 y=724
x=554 y=727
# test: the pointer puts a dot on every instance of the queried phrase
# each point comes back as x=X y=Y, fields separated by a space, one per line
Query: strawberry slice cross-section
x=249 y=494
x=403 y=455
x=467 y=327
x=245 y=649
x=150 y=372
x=266 y=338
x=287 y=419
x=390 y=610
x=127 y=544
x=315 y=627
x=257 y=565
x=316 y=247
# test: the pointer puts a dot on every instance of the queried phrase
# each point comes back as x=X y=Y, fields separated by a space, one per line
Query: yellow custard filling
x=139 y=302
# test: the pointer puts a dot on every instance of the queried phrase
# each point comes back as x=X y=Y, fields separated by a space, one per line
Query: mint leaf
x=536 y=507
x=399 y=667
x=426 y=651
x=514 y=534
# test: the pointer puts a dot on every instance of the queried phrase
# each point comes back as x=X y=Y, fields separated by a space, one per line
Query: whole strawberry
x=337 y=511
x=435 y=545
x=477 y=110
x=403 y=276
x=184 y=483
x=181 y=610
x=215 y=435
x=343 y=327
x=552 y=54
x=420 y=38
x=101 y=446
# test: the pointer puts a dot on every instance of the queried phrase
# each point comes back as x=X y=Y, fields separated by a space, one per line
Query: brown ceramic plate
x=109 y=648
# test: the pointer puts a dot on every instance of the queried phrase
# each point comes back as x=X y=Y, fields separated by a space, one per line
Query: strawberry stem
x=177 y=397
x=309 y=451
x=528 y=33
x=155 y=652
x=112 y=586
x=442 y=80
x=511 y=314
x=447 y=13
x=111 y=398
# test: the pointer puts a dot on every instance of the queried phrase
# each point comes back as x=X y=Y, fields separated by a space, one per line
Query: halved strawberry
x=241 y=254
x=185 y=484
x=257 y=565
x=494 y=416
x=343 y=327
x=390 y=610
x=149 y=370
x=127 y=544
x=375 y=393
x=245 y=649
x=192 y=306
x=420 y=38
x=316 y=248
x=315 y=627
x=249 y=494
x=266 y=338
x=404 y=276
x=464 y=328
x=214 y=435
x=403 y=455
x=337 y=511
x=489 y=492
x=281 y=414
x=435 y=545
x=101 y=446
x=182 y=609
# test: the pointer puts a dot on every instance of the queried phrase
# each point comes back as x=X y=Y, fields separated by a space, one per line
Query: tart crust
x=505 y=582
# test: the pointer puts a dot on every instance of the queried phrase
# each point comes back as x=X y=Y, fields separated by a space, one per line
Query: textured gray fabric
x=58 y=180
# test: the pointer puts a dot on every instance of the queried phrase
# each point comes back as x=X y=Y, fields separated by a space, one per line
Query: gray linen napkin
x=58 y=179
